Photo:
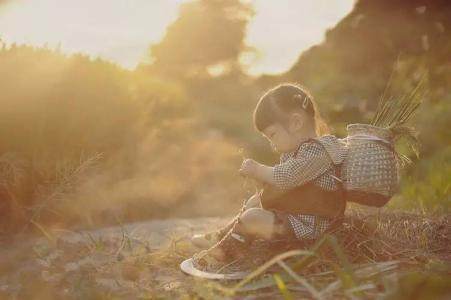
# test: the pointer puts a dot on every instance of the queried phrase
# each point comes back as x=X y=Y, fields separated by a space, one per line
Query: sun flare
x=121 y=31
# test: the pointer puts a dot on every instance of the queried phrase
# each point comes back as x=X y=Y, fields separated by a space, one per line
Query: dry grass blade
x=381 y=112
x=313 y=292
x=47 y=234
x=267 y=265
x=383 y=99
x=401 y=106
x=65 y=181
x=331 y=288
x=397 y=111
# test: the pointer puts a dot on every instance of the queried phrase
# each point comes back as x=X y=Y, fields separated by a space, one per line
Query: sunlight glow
x=282 y=29
x=121 y=31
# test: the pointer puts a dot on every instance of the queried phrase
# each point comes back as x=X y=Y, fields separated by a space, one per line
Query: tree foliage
x=206 y=33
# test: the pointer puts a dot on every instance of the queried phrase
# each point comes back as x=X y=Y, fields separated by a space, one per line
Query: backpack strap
x=337 y=167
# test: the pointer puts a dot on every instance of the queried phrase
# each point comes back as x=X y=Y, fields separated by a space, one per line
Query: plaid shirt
x=311 y=162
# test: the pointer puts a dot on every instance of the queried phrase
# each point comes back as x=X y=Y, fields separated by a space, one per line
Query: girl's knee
x=258 y=221
x=255 y=213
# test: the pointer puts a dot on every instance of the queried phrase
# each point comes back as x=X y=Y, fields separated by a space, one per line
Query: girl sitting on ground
x=302 y=195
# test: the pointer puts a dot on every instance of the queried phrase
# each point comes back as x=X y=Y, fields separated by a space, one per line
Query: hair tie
x=304 y=99
x=305 y=103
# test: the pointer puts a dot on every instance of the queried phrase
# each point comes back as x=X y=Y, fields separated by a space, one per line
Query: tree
x=207 y=36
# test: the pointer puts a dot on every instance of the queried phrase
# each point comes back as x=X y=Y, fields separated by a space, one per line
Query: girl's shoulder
x=309 y=149
x=318 y=143
x=327 y=138
x=334 y=146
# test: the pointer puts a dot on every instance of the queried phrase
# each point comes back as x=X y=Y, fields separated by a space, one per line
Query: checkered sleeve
x=310 y=161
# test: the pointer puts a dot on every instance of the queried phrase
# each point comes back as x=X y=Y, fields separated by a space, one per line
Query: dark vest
x=307 y=199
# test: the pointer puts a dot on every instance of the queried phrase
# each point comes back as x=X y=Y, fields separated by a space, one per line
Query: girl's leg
x=255 y=222
x=259 y=222
x=252 y=202
x=207 y=240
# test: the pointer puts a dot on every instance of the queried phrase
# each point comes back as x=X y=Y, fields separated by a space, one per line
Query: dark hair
x=278 y=102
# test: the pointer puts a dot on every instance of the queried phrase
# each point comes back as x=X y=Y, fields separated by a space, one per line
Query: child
x=302 y=195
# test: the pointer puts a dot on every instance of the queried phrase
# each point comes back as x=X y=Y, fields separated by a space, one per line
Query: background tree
x=207 y=38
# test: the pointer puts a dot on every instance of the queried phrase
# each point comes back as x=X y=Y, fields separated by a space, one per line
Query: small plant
x=393 y=113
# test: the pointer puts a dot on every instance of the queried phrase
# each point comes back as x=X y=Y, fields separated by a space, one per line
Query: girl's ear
x=296 y=122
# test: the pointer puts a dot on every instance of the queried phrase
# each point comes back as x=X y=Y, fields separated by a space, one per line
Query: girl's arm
x=258 y=171
x=309 y=163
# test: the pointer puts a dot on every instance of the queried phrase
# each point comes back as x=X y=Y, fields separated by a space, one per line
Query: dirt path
x=134 y=260
x=157 y=233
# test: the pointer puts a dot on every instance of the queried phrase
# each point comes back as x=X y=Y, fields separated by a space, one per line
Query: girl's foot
x=223 y=254
x=209 y=239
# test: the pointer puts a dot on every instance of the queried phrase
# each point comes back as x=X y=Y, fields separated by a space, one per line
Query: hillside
x=356 y=58
x=390 y=44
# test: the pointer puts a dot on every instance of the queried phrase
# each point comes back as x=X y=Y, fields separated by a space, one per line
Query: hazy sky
x=122 y=30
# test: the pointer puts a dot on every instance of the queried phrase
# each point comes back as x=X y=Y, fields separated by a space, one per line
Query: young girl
x=302 y=195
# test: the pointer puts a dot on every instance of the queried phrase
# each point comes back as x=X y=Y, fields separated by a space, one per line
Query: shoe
x=225 y=253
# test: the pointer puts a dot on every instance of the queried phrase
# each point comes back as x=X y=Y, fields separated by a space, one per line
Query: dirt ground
x=384 y=256
x=138 y=260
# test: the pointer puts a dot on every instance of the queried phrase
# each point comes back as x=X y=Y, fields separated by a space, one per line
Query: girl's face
x=281 y=139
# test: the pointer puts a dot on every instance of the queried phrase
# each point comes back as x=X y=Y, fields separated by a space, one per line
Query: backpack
x=367 y=163
x=370 y=166
x=370 y=170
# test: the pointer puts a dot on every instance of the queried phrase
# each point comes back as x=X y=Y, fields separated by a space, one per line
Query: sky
x=122 y=30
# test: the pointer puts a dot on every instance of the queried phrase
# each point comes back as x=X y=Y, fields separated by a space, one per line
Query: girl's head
x=286 y=115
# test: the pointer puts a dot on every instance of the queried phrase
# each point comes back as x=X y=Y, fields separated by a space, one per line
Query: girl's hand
x=255 y=170
x=249 y=168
